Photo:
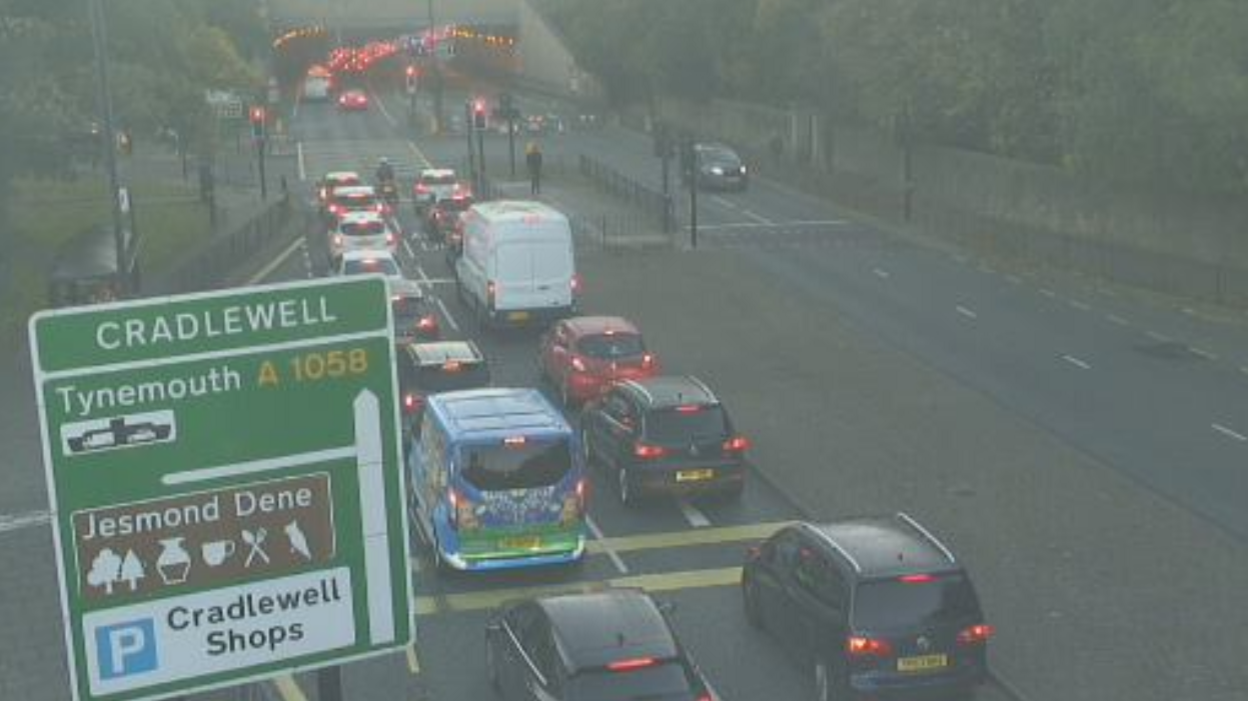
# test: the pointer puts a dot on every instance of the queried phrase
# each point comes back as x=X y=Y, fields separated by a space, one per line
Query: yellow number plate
x=517 y=316
x=694 y=475
x=530 y=542
x=922 y=663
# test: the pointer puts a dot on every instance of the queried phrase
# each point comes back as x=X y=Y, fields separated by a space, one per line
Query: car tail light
x=389 y=239
x=706 y=697
x=453 y=498
x=515 y=441
x=411 y=403
x=645 y=451
x=335 y=209
x=688 y=409
x=337 y=239
x=916 y=578
x=578 y=364
x=737 y=444
x=647 y=361
x=490 y=291
x=422 y=188
x=574 y=504
x=862 y=646
x=631 y=664
x=428 y=323
x=976 y=634
x=576 y=283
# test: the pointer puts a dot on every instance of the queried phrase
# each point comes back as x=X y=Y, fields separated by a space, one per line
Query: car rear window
x=665 y=682
x=455 y=204
x=893 y=603
x=369 y=228
x=408 y=309
x=385 y=266
x=438 y=179
x=357 y=200
x=685 y=423
x=450 y=377
x=528 y=466
x=611 y=346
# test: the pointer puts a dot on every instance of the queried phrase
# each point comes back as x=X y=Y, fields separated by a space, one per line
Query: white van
x=517 y=265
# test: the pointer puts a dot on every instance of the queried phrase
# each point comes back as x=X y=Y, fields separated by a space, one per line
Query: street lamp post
x=104 y=104
x=435 y=72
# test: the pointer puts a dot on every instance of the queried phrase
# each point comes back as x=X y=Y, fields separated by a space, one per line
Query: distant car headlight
x=743 y=169
x=716 y=170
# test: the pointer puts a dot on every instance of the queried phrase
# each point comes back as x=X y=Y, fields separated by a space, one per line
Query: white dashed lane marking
x=1080 y=305
x=966 y=312
x=1048 y=293
x=1077 y=362
x=880 y=273
x=1158 y=336
x=696 y=518
x=1230 y=433
x=612 y=554
x=1115 y=319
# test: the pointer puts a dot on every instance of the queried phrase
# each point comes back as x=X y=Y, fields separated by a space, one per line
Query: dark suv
x=874 y=605
x=603 y=646
x=440 y=366
x=664 y=434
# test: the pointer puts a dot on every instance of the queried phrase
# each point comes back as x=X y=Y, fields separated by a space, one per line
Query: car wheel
x=749 y=597
x=625 y=485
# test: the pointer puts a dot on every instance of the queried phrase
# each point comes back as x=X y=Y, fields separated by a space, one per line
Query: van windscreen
x=532 y=464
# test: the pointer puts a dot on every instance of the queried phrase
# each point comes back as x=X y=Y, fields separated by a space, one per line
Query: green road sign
x=226 y=484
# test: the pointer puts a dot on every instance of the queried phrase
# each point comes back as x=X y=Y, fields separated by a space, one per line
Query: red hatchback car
x=581 y=356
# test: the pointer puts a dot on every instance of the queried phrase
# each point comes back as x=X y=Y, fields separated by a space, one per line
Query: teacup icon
x=217 y=551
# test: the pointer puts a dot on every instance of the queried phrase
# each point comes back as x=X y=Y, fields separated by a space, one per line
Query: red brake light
x=916 y=578
x=452 y=366
x=737 y=444
x=861 y=646
x=421 y=187
x=688 y=408
x=576 y=282
x=645 y=451
x=578 y=364
x=389 y=239
x=453 y=498
x=976 y=634
x=337 y=239
x=411 y=402
x=580 y=490
x=629 y=665
x=490 y=291
x=647 y=361
x=514 y=441
x=426 y=323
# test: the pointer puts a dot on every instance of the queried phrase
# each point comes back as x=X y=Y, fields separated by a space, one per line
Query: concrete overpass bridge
x=534 y=56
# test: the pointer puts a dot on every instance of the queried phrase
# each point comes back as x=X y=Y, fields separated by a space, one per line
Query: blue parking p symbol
x=124 y=649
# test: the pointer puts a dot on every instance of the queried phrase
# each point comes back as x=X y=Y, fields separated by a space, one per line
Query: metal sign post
x=224 y=471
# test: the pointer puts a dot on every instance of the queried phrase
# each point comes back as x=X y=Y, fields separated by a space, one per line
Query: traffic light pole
x=435 y=73
x=264 y=183
x=468 y=129
x=481 y=160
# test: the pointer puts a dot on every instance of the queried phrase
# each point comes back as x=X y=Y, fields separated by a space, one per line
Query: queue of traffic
x=499 y=478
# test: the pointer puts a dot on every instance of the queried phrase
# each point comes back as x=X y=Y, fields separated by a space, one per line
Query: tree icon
x=105 y=570
x=132 y=570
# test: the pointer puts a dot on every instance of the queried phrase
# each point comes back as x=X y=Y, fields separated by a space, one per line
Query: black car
x=719 y=168
x=415 y=318
x=664 y=434
x=613 y=645
x=876 y=606
x=441 y=366
x=440 y=217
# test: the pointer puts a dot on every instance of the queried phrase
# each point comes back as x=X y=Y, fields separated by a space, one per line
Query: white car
x=365 y=262
x=362 y=231
x=433 y=184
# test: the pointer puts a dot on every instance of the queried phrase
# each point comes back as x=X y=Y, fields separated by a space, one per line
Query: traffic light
x=257 y=117
x=412 y=75
x=478 y=114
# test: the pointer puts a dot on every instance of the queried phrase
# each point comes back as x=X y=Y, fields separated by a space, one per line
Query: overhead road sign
x=226 y=485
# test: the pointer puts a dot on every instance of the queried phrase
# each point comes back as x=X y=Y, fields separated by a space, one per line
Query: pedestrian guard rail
x=656 y=205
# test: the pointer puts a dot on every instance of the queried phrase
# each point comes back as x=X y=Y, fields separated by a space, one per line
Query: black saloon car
x=720 y=168
x=428 y=368
x=667 y=434
x=614 y=645
x=877 y=606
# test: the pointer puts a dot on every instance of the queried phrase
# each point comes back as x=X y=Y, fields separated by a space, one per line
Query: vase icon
x=174 y=562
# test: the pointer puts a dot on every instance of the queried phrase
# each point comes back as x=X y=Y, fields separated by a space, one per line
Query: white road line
x=1115 y=319
x=966 y=312
x=1048 y=293
x=1243 y=369
x=381 y=105
x=881 y=273
x=1080 y=305
x=758 y=218
x=615 y=557
x=696 y=518
x=723 y=202
x=1189 y=311
x=14 y=522
x=1014 y=279
x=281 y=258
x=753 y=225
x=1229 y=433
x=1076 y=362
x=446 y=313
x=1202 y=353
x=420 y=155
x=408 y=247
x=303 y=171
x=1158 y=336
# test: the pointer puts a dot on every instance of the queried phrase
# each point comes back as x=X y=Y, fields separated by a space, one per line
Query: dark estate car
x=720 y=168
x=442 y=216
x=664 y=434
x=875 y=605
x=415 y=318
x=614 y=645
x=429 y=368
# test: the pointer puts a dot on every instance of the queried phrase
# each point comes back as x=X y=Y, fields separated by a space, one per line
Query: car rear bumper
x=586 y=386
x=915 y=686
x=516 y=318
x=487 y=563
x=675 y=480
